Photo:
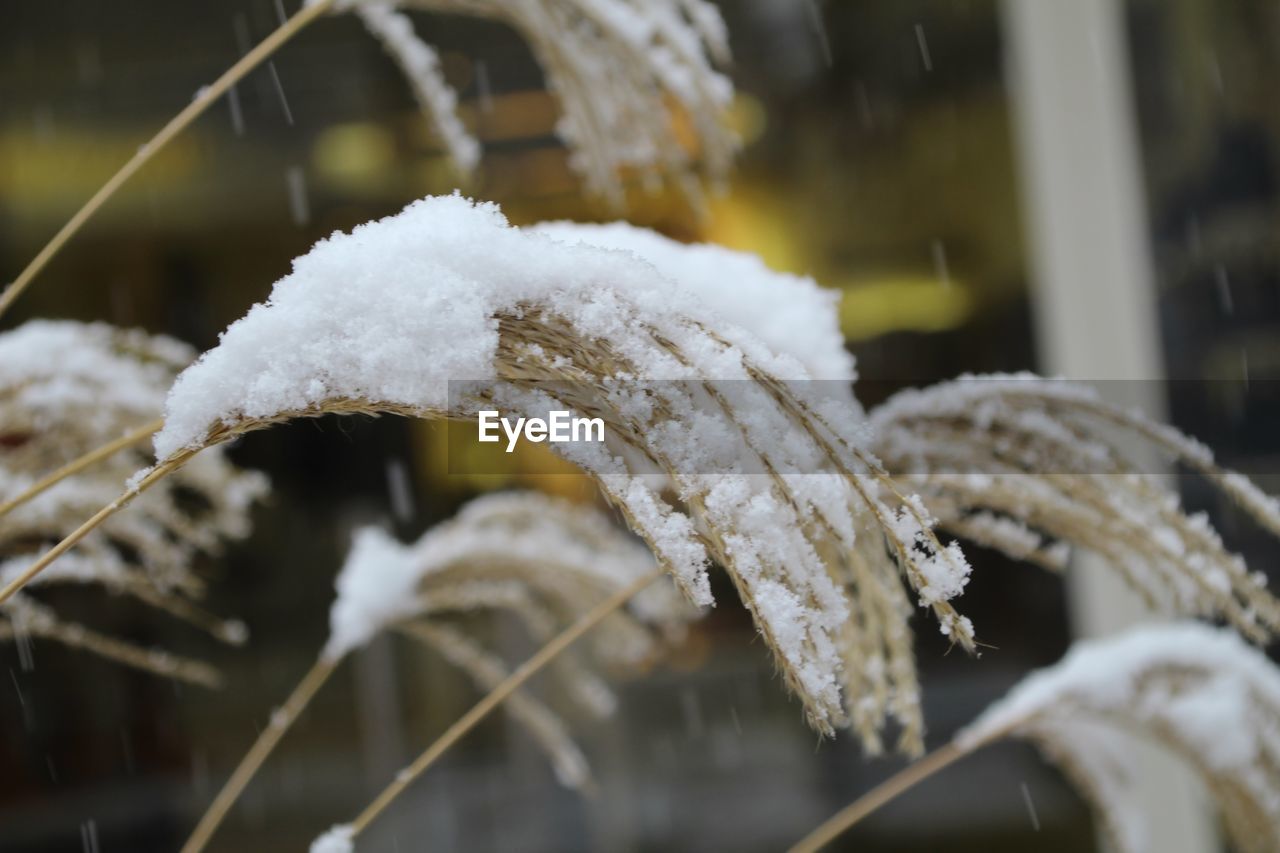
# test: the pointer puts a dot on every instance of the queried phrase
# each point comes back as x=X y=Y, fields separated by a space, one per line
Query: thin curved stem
x=176 y=125
x=497 y=696
x=156 y=474
x=121 y=651
x=77 y=465
x=229 y=631
x=281 y=720
x=887 y=790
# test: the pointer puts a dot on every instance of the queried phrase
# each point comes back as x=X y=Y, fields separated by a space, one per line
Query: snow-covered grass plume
x=541 y=559
x=629 y=75
x=65 y=389
x=1200 y=692
x=379 y=320
x=1028 y=465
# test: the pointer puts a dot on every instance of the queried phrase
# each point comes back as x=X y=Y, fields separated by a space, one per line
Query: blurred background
x=890 y=150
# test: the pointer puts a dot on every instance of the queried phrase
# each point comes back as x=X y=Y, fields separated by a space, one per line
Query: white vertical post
x=1093 y=284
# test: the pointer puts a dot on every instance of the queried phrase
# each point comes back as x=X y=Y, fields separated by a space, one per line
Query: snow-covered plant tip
x=1200 y=692
x=776 y=482
x=65 y=389
x=379 y=320
x=1027 y=465
x=627 y=73
x=543 y=560
x=540 y=559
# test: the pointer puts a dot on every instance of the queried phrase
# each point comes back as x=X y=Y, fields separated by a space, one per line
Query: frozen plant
x=773 y=484
x=67 y=388
x=541 y=559
x=1197 y=691
x=629 y=74
x=775 y=480
x=1027 y=465
x=544 y=559
x=1201 y=693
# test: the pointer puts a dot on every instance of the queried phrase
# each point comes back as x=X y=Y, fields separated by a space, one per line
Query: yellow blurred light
x=42 y=176
x=749 y=222
x=871 y=305
x=748 y=117
x=903 y=303
x=353 y=153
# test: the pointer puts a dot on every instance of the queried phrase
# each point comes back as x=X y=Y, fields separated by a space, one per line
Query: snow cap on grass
x=791 y=314
x=339 y=839
x=361 y=312
x=567 y=556
x=545 y=561
x=772 y=481
x=377 y=587
x=1200 y=692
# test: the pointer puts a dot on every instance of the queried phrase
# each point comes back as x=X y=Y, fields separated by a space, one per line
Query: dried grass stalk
x=66 y=388
x=774 y=481
x=1028 y=465
x=205 y=98
x=819 y=544
x=802 y=614
x=544 y=560
x=629 y=75
x=25 y=619
x=341 y=838
x=1199 y=692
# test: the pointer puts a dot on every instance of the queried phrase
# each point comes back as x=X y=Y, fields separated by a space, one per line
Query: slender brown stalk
x=281 y=721
x=887 y=790
x=120 y=651
x=498 y=695
x=227 y=630
x=156 y=474
x=176 y=125
x=77 y=465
